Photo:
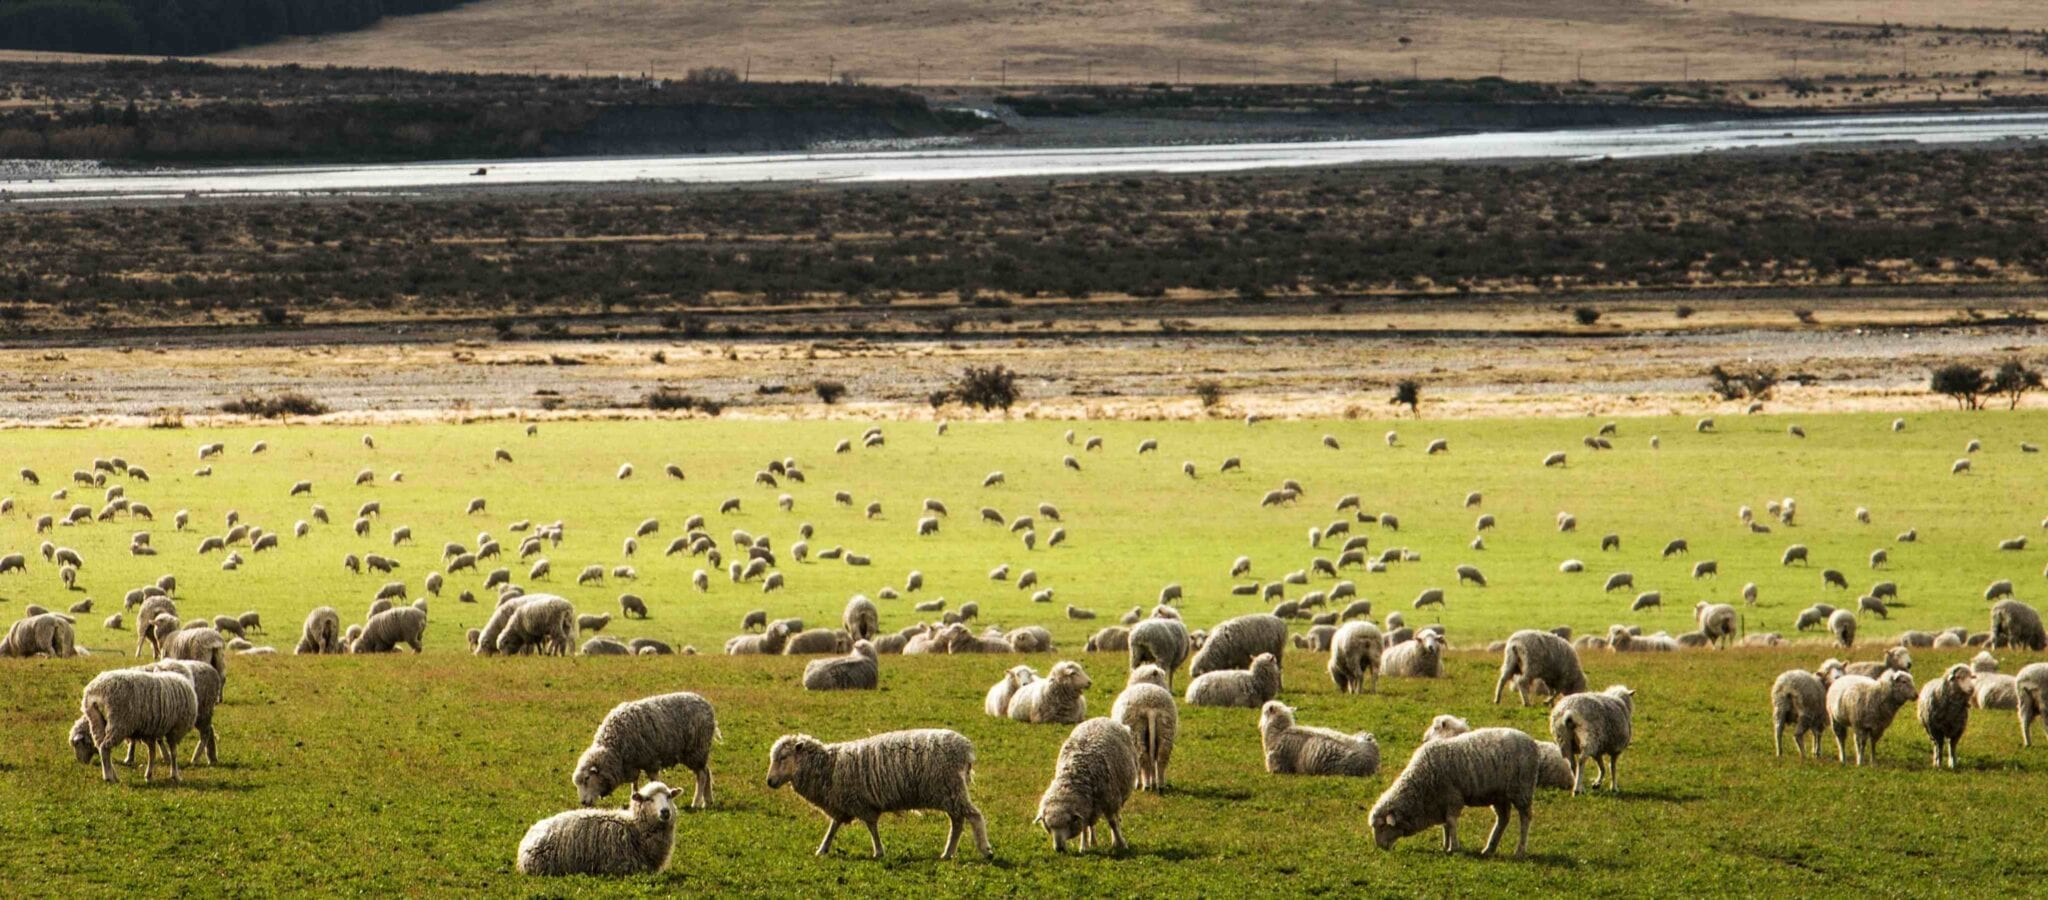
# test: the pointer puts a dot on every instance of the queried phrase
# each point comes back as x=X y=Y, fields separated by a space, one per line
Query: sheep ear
x=637 y=797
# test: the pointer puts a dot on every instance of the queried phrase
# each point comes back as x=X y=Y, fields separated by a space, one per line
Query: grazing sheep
x=1058 y=697
x=2015 y=624
x=637 y=838
x=1539 y=657
x=1233 y=644
x=1717 y=621
x=1354 y=654
x=860 y=618
x=157 y=708
x=41 y=633
x=893 y=772
x=771 y=641
x=593 y=622
x=321 y=632
x=1470 y=573
x=1249 y=688
x=1162 y=642
x=1293 y=749
x=1798 y=699
x=1097 y=767
x=1794 y=553
x=1555 y=459
x=1429 y=597
x=1866 y=706
x=1493 y=767
x=1960 y=467
x=1645 y=600
x=1944 y=709
x=1617 y=581
x=858 y=670
x=385 y=631
x=640 y=738
x=1418 y=658
x=1597 y=726
x=1842 y=624
x=631 y=606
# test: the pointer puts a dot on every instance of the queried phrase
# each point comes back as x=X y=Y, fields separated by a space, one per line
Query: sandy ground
x=1072 y=41
x=1476 y=360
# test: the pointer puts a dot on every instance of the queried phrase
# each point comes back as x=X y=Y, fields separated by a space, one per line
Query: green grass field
x=420 y=773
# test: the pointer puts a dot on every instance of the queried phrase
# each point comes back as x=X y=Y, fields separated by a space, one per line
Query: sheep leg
x=1506 y=673
x=149 y=769
x=1116 y=832
x=107 y=760
x=952 y=836
x=1614 y=773
x=1500 y=827
x=1522 y=843
x=1451 y=833
x=1578 y=773
x=980 y=827
x=1841 y=756
x=702 y=798
x=831 y=831
x=1778 y=737
x=129 y=760
x=171 y=755
x=875 y=835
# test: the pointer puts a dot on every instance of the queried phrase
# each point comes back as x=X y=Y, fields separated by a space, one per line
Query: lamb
x=1355 y=653
x=637 y=838
x=1798 y=699
x=858 y=670
x=385 y=631
x=321 y=633
x=892 y=772
x=861 y=619
x=2015 y=624
x=1249 y=688
x=997 y=703
x=593 y=622
x=1894 y=658
x=1058 y=697
x=1595 y=725
x=1098 y=764
x=1944 y=709
x=1842 y=624
x=1418 y=658
x=1236 y=642
x=1495 y=767
x=2030 y=698
x=1293 y=749
x=1532 y=657
x=157 y=708
x=1159 y=641
x=1146 y=707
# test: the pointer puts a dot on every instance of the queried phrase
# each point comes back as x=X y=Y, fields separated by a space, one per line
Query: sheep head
x=788 y=755
x=653 y=800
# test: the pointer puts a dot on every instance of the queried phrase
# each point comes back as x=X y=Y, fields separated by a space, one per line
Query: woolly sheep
x=321 y=632
x=1842 y=624
x=997 y=702
x=40 y=634
x=1531 y=657
x=858 y=670
x=1944 y=709
x=1159 y=641
x=385 y=631
x=1715 y=620
x=1799 y=700
x=816 y=641
x=1096 y=769
x=1418 y=658
x=1597 y=726
x=207 y=682
x=1617 y=581
x=1147 y=708
x=1249 y=688
x=1114 y=638
x=1293 y=749
x=2015 y=624
x=1354 y=654
x=893 y=772
x=1493 y=767
x=1866 y=706
x=860 y=618
x=157 y=708
x=1234 y=643
x=1058 y=697
x=637 y=838
x=2030 y=698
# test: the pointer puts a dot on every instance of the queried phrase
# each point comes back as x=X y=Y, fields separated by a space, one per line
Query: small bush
x=1586 y=315
x=1805 y=316
x=168 y=418
x=992 y=387
x=829 y=391
x=1408 y=392
x=1683 y=312
x=276 y=406
x=1964 y=383
x=1210 y=391
x=939 y=398
x=671 y=400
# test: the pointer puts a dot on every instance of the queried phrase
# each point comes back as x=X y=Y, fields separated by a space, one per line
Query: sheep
x=1617 y=581
x=1866 y=706
x=1159 y=641
x=1097 y=765
x=1470 y=573
x=1495 y=767
x=892 y=772
x=1798 y=700
x=1293 y=749
x=321 y=632
x=155 y=707
x=207 y=682
x=1147 y=708
x=1418 y=658
x=1249 y=688
x=1354 y=654
x=1596 y=725
x=1960 y=467
x=1944 y=709
x=385 y=631
x=771 y=641
x=1556 y=460
x=817 y=641
x=40 y=633
x=1539 y=657
x=2015 y=624
x=1717 y=621
x=1058 y=697
x=1234 y=643
x=858 y=670
x=596 y=622
x=640 y=738
x=637 y=838
x=1842 y=624
x=997 y=701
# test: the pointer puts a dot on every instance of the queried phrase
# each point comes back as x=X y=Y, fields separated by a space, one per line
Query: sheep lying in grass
x=1248 y=688
x=1799 y=699
x=997 y=703
x=1418 y=658
x=1293 y=749
x=1146 y=707
x=640 y=738
x=1236 y=642
x=156 y=708
x=1493 y=767
x=1532 y=657
x=1865 y=706
x=858 y=670
x=1097 y=767
x=1058 y=697
x=637 y=838
x=894 y=772
x=1944 y=709
x=1594 y=725
x=1894 y=658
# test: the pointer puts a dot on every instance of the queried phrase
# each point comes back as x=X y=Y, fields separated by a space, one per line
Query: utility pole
x=1502 y=72
x=748 y=72
x=1006 y=73
x=1415 y=68
x=831 y=68
x=1176 y=71
x=1580 y=73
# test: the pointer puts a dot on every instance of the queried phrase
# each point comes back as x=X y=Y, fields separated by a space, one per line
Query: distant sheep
x=1162 y=642
x=858 y=670
x=1355 y=652
x=1234 y=643
x=1418 y=658
x=2015 y=624
x=1539 y=657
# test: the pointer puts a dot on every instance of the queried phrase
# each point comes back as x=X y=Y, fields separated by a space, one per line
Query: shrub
x=939 y=398
x=1586 y=315
x=276 y=406
x=669 y=400
x=1408 y=392
x=1964 y=383
x=1210 y=391
x=2014 y=380
x=277 y=315
x=992 y=387
x=829 y=391
x=1805 y=316
x=1683 y=311
x=1730 y=384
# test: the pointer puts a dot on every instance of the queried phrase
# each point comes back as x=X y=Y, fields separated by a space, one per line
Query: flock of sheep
x=1104 y=759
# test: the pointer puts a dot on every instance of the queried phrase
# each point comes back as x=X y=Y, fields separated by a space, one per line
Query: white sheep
x=1596 y=725
x=897 y=771
x=156 y=708
x=1944 y=709
x=1493 y=767
x=637 y=838
x=1058 y=697
x=1146 y=707
x=1533 y=657
x=1249 y=688
x=1355 y=652
x=1097 y=768
x=640 y=738
x=1799 y=699
x=1866 y=706
x=1293 y=749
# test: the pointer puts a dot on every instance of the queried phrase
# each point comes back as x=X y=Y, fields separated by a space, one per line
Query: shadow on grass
x=1208 y=792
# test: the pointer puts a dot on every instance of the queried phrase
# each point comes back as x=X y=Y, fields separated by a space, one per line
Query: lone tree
x=2014 y=380
x=1965 y=383
x=1732 y=384
x=829 y=391
x=1408 y=392
x=994 y=387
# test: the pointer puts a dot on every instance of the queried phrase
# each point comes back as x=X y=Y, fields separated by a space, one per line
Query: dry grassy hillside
x=967 y=41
